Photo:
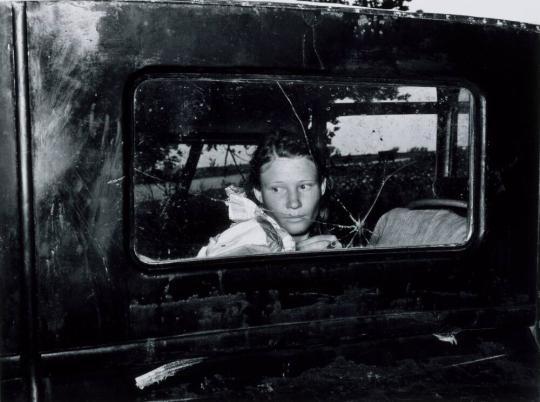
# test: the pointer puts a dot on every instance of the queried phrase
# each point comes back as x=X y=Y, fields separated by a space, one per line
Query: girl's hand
x=321 y=242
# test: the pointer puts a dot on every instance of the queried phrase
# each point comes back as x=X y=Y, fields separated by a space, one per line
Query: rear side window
x=396 y=164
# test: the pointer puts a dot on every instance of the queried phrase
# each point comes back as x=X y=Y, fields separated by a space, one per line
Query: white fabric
x=247 y=228
x=423 y=227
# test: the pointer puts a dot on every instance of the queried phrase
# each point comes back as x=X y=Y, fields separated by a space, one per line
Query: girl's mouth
x=295 y=218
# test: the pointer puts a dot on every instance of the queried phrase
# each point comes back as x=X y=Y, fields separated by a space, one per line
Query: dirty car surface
x=90 y=307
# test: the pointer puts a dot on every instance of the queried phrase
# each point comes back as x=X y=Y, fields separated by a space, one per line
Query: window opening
x=388 y=146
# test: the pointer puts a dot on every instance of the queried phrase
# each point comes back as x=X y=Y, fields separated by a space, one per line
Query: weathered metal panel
x=83 y=54
x=10 y=258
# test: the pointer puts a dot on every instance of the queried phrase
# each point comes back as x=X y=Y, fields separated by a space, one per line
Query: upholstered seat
x=419 y=227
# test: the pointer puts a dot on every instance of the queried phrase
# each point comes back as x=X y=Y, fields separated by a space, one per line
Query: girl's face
x=291 y=192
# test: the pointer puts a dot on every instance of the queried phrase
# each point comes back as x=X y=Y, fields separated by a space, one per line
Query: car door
x=105 y=80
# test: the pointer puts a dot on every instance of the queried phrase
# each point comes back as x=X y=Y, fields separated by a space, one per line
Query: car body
x=88 y=306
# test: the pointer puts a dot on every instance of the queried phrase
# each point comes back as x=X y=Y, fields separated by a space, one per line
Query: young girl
x=288 y=179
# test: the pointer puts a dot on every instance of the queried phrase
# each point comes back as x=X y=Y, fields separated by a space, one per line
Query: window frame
x=476 y=180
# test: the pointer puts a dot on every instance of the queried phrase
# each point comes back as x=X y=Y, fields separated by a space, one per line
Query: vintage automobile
x=122 y=124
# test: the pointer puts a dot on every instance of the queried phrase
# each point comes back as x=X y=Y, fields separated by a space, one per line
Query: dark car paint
x=9 y=216
x=97 y=307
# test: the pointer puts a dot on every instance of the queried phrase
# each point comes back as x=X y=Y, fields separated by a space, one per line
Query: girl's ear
x=323 y=186
x=258 y=195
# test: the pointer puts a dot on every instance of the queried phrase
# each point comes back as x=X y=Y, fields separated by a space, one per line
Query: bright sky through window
x=515 y=10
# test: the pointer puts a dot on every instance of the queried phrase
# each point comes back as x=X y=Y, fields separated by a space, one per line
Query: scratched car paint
x=87 y=307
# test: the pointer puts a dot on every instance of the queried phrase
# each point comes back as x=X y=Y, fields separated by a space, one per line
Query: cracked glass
x=396 y=166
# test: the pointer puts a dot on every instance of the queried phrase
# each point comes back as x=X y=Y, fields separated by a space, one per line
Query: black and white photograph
x=270 y=200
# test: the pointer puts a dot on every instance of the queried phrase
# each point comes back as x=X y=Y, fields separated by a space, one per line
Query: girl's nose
x=293 y=200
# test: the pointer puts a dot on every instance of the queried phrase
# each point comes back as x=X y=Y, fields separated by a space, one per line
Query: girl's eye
x=274 y=189
x=306 y=186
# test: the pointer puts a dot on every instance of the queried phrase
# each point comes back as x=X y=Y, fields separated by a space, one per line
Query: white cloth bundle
x=251 y=226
